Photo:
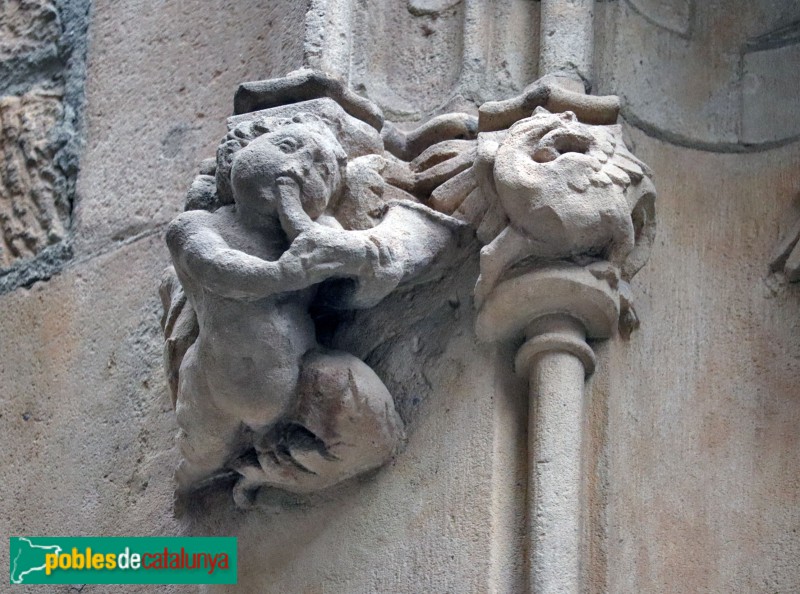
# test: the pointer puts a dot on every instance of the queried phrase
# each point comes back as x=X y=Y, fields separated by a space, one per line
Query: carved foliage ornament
x=314 y=199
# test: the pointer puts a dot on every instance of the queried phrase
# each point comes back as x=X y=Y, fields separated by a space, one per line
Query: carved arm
x=201 y=253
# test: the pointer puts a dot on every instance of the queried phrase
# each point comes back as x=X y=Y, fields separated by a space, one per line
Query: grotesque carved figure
x=256 y=395
x=549 y=188
x=307 y=204
x=562 y=185
x=255 y=383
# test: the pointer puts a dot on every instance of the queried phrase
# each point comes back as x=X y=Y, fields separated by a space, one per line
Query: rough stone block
x=27 y=26
x=34 y=210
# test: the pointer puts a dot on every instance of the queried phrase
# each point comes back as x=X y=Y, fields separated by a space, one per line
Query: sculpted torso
x=243 y=343
x=255 y=384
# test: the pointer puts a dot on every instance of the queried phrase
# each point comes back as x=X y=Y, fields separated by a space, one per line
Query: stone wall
x=85 y=418
x=42 y=72
x=693 y=451
x=701 y=408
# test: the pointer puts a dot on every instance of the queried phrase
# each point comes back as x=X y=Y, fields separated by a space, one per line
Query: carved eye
x=545 y=154
x=288 y=145
x=558 y=142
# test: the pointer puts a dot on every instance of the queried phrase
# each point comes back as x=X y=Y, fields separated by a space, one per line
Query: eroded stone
x=27 y=26
x=296 y=215
x=34 y=210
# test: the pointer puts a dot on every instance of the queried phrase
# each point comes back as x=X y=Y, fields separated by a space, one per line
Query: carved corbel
x=313 y=199
x=567 y=216
x=294 y=213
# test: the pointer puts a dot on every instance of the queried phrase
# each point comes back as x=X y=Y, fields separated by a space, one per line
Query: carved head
x=258 y=152
x=574 y=187
x=549 y=158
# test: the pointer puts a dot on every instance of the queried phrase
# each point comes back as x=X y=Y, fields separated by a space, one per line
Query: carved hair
x=245 y=132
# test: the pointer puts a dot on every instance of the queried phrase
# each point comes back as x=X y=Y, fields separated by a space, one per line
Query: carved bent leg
x=208 y=437
x=344 y=424
x=497 y=257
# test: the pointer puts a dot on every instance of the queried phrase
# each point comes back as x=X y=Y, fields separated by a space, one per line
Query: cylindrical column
x=567 y=38
x=567 y=304
x=556 y=356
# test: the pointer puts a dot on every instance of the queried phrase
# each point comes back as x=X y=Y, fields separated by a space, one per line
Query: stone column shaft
x=557 y=378
x=567 y=38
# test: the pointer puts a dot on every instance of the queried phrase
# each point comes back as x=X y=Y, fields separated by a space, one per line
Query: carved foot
x=344 y=424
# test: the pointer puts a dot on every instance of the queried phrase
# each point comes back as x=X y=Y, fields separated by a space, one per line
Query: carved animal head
x=552 y=164
x=554 y=174
x=258 y=152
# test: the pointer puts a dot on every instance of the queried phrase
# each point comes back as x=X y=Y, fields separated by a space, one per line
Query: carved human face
x=299 y=151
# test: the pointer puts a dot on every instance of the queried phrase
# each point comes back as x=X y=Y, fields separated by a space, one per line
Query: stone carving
x=562 y=185
x=548 y=187
x=459 y=51
x=27 y=27
x=787 y=255
x=296 y=202
x=567 y=214
x=34 y=210
x=312 y=201
x=42 y=51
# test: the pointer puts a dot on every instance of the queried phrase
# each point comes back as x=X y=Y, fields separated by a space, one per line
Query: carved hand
x=294 y=220
x=320 y=253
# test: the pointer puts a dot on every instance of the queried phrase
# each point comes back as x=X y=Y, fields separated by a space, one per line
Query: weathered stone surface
x=569 y=191
x=567 y=39
x=413 y=527
x=85 y=419
x=42 y=53
x=27 y=26
x=184 y=65
x=285 y=212
x=674 y=15
x=419 y=58
x=692 y=453
x=699 y=445
x=770 y=80
x=433 y=43
x=786 y=259
x=34 y=207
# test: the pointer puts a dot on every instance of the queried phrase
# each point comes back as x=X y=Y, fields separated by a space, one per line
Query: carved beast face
x=302 y=148
x=556 y=178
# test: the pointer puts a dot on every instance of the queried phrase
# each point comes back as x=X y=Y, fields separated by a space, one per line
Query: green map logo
x=122 y=560
x=28 y=558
